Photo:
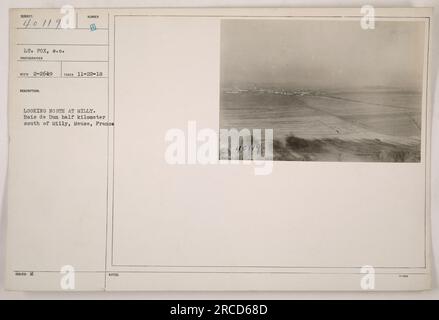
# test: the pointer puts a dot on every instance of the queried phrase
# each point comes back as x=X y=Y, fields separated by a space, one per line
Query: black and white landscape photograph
x=330 y=90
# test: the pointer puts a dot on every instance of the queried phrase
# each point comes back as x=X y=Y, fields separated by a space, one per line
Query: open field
x=373 y=124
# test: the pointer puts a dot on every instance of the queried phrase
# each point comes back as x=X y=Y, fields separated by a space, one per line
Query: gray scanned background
x=4 y=28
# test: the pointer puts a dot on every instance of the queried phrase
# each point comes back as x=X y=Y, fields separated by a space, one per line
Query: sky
x=322 y=54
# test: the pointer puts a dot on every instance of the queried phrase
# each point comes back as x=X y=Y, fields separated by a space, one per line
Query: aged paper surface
x=120 y=179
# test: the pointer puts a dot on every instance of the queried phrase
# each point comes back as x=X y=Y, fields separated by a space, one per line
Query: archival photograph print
x=329 y=89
